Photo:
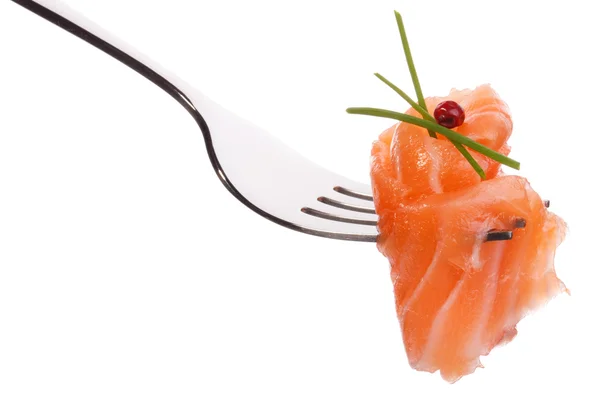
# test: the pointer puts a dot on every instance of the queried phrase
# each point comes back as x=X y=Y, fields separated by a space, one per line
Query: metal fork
x=256 y=168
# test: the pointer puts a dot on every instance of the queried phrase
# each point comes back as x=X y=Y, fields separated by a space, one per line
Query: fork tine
x=507 y=235
x=321 y=214
x=494 y=236
x=345 y=206
x=353 y=193
x=520 y=223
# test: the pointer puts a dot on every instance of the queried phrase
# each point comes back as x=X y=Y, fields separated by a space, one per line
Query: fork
x=258 y=169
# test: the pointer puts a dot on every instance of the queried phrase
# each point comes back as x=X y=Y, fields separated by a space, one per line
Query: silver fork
x=258 y=169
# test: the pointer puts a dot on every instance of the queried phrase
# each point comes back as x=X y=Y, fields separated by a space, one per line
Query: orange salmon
x=457 y=295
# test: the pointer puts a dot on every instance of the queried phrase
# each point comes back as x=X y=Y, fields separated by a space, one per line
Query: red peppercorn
x=449 y=114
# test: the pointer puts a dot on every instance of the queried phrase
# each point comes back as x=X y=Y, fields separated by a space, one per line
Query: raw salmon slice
x=458 y=296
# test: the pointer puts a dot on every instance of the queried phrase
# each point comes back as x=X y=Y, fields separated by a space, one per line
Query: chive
x=411 y=65
x=406 y=97
x=450 y=134
x=428 y=116
x=470 y=159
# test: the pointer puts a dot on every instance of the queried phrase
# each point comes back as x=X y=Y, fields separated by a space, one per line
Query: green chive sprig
x=411 y=65
x=428 y=122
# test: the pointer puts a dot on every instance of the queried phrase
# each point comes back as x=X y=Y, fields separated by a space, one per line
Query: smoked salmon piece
x=457 y=295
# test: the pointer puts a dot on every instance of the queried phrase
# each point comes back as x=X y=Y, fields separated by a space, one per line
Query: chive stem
x=470 y=159
x=406 y=97
x=411 y=65
x=450 y=134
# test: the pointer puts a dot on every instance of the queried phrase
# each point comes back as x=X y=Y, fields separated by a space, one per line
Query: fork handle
x=75 y=23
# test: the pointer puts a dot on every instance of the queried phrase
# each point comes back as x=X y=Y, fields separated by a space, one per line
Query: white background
x=128 y=272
